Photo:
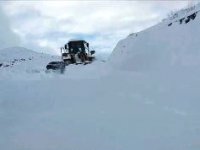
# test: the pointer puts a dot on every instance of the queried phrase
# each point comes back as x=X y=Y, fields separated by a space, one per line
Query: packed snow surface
x=114 y=112
x=146 y=97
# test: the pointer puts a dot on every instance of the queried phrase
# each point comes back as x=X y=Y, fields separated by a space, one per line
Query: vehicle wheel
x=73 y=60
x=90 y=58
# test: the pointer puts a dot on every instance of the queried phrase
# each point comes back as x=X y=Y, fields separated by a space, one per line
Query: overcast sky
x=47 y=25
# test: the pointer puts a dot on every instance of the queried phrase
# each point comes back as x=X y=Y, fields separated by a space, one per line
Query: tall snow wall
x=173 y=43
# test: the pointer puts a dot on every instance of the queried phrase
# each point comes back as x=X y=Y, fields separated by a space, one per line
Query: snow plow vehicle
x=77 y=52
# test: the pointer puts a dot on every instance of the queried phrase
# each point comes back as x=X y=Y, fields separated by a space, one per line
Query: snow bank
x=170 y=44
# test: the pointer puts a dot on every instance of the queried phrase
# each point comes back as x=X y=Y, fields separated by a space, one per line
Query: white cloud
x=51 y=24
x=8 y=37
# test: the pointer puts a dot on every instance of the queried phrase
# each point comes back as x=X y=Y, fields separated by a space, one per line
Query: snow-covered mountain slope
x=19 y=62
x=173 y=43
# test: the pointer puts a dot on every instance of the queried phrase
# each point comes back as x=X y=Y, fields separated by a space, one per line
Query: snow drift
x=174 y=43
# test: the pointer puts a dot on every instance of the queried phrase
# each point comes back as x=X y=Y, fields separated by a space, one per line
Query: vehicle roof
x=55 y=62
x=74 y=41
